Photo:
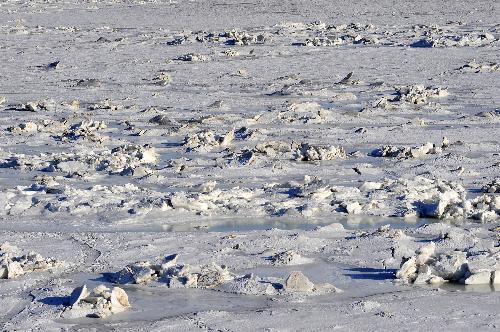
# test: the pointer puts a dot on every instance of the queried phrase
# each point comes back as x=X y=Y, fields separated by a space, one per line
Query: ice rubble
x=129 y=159
x=227 y=37
x=321 y=34
x=220 y=200
x=493 y=187
x=13 y=265
x=83 y=130
x=422 y=197
x=307 y=152
x=447 y=40
x=262 y=151
x=234 y=37
x=431 y=267
x=49 y=126
x=285 y=150
x=163 y=79
x=123 y=160
x=418 y=94
x=89 y=83
x=24 y=128
x=417 y=197
x=407 y=152
x=101 y=302
x=163 y=120
x=107 y=105
x=206 y=140
x=288 y=257
x=193 y=57
x=385 y=231
x=213 y=276
x=407 y=94
x=298 y=282
x=477 y=67
x=39 y=105
x=39 y=199
x=305 y=112
x=315 y=34
x=342 y=40
x=86 y=129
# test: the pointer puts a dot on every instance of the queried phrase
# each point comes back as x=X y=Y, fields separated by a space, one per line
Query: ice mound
x=297 y=282
x=430 y=267
x=30 y=127
x=418 y=94
x=163 y=79
x=206 y=140
x=274 y=148
x=142 y=272
x=485 y=208
x=350 y=207
x=249 y=284
x=13 y=265
x=422 y=197
x=86 y=129
x=193 y=57
x=343 y=96
x=262 y=152
x=450 y=203
x=477 y=67
x=391 y=151
x=244 y=38
x=48 y=105
x=305 y=112
x=495 y=114
x=124 y=160
x=24 y=128
x=310 y=187
x=25 y=162
x=106 y=105
x=101 y=302
x=89 y=83
x=288 y=257
x=162 y=120
x=307 y=152
x=172 y=273
x=385 y=231
x=213 y=275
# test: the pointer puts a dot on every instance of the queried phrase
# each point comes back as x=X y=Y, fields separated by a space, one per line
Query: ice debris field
x=260 y=165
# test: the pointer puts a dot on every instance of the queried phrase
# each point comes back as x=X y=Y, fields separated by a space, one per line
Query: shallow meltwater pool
x=152 y=304
x=357 y=222
x=74 y=224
